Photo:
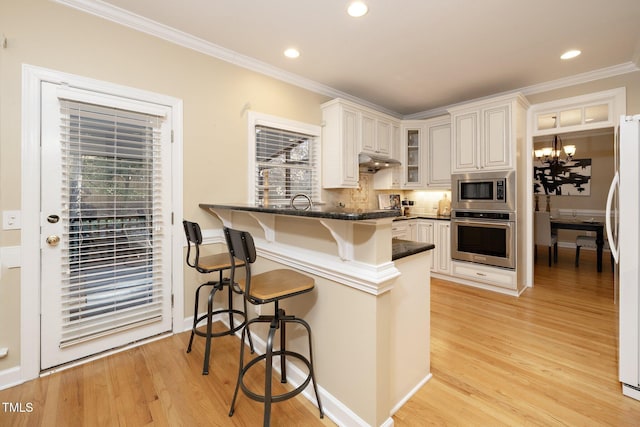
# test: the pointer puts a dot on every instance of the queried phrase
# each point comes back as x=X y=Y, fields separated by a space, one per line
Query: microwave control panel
x=500 y=189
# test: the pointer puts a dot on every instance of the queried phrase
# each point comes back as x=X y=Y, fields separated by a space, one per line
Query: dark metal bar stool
x=264 y=288
x=211 y=264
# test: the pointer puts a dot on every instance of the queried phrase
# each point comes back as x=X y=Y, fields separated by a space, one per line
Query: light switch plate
x=11 y=220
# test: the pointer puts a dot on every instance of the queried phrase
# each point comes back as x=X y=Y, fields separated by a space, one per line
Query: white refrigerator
x=623 y=232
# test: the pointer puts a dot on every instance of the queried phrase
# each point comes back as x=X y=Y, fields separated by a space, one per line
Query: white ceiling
x=410 y=57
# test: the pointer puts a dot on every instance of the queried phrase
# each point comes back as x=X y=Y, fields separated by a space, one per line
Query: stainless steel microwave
x=486 y=191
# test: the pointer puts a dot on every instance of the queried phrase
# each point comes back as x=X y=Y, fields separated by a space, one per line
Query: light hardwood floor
x=546 y=358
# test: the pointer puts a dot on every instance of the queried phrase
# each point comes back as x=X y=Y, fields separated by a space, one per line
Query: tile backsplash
x=365 y=197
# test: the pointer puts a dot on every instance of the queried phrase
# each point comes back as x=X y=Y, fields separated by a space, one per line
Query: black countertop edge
x=424 y=216
x=403 y=248
x=314 y=212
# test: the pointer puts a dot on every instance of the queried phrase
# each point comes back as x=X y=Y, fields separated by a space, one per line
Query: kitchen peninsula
x=369 y=311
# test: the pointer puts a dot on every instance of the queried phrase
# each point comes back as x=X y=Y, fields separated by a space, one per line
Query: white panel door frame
x=616 y=98
x=32 y=78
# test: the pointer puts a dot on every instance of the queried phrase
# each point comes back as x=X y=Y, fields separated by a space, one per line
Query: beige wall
x=215 y=96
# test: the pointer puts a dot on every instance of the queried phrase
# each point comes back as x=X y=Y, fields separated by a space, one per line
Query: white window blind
x=111 y=197
x=286 y=164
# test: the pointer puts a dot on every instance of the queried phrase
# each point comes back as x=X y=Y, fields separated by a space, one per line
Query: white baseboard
x=631 y=392
x=409 y=395
x=10 y=377
x=333 y=408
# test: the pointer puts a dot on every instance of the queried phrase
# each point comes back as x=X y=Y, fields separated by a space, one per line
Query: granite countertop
x=321 y=211
x=403 y=248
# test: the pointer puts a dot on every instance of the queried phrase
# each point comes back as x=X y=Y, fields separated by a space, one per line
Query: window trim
x=260 y=119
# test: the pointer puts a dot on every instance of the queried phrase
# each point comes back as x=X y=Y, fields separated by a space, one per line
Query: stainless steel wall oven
x=484 y=237
x=483 y=218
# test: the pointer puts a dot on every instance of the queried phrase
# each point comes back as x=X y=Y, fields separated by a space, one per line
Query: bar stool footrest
x=226 y=331
x=279 y=397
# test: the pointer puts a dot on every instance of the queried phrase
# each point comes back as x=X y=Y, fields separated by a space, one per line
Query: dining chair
x=544 y=236
x=590 y=242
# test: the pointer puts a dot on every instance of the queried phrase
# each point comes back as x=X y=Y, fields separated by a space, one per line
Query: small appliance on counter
x=406 y=207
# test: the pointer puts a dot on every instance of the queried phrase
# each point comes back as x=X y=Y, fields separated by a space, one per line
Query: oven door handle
x=507 y=224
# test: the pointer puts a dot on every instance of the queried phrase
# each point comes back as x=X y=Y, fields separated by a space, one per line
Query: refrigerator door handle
x=614 y=246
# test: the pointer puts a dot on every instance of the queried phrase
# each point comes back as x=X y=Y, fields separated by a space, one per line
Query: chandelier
x=551 y=155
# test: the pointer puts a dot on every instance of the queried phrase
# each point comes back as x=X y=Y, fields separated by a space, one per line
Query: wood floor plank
x=546 y=358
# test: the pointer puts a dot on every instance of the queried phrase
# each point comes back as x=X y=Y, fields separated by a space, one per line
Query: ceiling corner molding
x=636 y=55
x=139 y=23
x=603 y=73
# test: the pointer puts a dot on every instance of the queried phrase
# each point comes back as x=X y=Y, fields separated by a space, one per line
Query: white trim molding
x=30 y=273
x=617 y=101
x=181 y=38
x=372 y=279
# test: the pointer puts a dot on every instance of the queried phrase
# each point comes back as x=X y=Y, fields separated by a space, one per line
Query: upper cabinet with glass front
x=413 y=155
x=579 y=113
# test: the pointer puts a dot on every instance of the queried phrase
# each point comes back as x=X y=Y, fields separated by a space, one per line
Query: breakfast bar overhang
x=370 y=307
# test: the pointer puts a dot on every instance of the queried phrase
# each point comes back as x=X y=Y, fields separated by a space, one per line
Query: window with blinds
x=286 y=164
x=111 y=253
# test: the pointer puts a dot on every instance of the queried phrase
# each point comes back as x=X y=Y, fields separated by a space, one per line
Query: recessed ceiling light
x=292 y=53
x=570 y=54
x=357 y=9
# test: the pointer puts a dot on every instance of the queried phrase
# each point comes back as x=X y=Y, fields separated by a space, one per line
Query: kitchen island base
x=370 y=316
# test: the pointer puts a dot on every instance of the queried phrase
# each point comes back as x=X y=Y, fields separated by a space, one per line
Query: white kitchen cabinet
x=368 y=133
x=404 y=229
x=400 y=230
x=412 y=225
x=465 y=141
x=413 y=158
x=439 y=233
x=426 y=234
x=493 y=276
x=390 y=178
x=376 y=134
x=439 y=154
x=340 y=135
x=348 y=129
x=443 y=255
x=484 y=134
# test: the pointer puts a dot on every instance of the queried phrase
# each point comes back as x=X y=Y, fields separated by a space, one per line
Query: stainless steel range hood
x=372 y=163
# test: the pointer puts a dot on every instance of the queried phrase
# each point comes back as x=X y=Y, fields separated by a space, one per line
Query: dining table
x=584 y=224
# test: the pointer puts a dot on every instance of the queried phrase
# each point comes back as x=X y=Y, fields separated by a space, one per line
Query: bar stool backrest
x=241 y=247
x=194 y=237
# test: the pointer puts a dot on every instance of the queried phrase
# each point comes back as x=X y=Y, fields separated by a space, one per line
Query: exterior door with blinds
x=105 y=223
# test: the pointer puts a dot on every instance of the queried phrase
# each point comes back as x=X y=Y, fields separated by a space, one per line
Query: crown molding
x=139 y=23
x=123 y=17
x=616 y=70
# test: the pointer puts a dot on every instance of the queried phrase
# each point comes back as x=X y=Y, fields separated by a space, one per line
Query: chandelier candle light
x=561 y=174
x=551 y=155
